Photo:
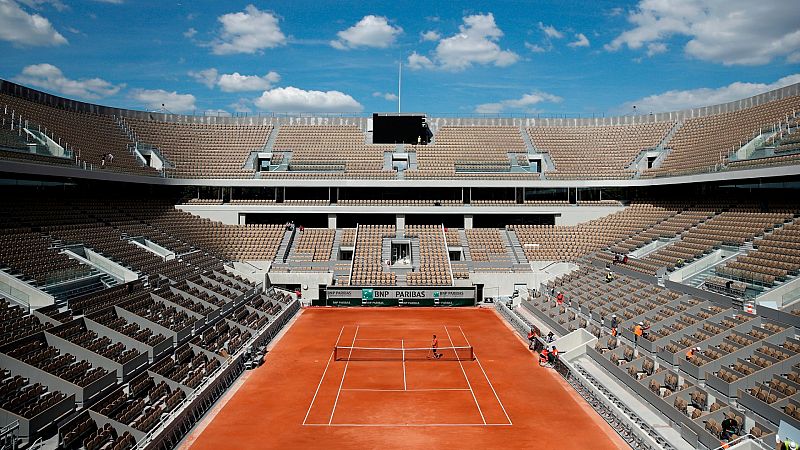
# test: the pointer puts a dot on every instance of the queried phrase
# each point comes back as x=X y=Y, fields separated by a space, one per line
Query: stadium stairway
x=286 y=244
x=337 y=242
x=462 y=236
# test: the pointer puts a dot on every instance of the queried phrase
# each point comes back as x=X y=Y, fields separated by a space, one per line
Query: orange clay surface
x=303 y=398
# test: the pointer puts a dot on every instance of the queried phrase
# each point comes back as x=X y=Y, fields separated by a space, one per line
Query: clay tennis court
x=496 y=397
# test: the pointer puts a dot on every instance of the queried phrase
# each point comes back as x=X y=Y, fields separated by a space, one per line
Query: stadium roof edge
x=17 y=90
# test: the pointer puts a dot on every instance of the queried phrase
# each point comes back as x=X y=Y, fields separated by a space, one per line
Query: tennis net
x=343 y=353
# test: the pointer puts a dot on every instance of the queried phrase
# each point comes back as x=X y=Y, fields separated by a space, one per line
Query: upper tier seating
x=704 y=142
x=600 y=152
x=477 y=152
x=90 y=136
x=328 y=151
x=203 y=150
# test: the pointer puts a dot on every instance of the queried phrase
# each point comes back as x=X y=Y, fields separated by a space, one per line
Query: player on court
x=435 y=347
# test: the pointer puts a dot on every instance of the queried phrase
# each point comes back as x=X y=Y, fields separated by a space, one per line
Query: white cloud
x=731 y=32
x=535 y=48
x=417 y=61
x=190 y=33
x=692 y=98
x=388 y=96
x=50 y=77
x=235 y=82
x=21 y=28
x=157 y=99
x=430 y=35
x=370 y=31
x=208 y=77
x=58 y=5
x=241 y=106
x=654 y=48
x=523 y=103
x=580 y=41
x=113 y=2
x=550 y=31
x=249 y=31
x=475 y=43
x=292 y=99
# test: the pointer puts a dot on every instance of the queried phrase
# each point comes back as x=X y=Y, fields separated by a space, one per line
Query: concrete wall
x=777 y=295
x=579 y=214
x=502 y=284
x=23 y=292
x=565 y=215
x=309 y=282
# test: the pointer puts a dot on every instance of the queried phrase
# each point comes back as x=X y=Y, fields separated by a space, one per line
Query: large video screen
x=399 y=129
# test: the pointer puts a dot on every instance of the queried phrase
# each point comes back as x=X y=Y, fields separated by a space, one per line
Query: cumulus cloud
x=430 y=35
x=58 y=5
x=731 y=32
x=524 y=103
x=370 y=31
x=24 y=29
x=475 y=43
x=692 y=98
x=580 y=41
x=157 y=99
x=654 y=48
x=417 y=61
x=535 y=48
x=241 y=106
x=235 y=82
x=550 y=31
x=388 y=96
x=248 y=31
x=50 y=77
x=190 y=33
x=208 y=77
x=292 y=99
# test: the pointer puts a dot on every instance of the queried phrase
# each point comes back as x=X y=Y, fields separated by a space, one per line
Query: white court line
x=323 y=375
x=405 y=390
x=486 y=376
x=421 y=425
x=403 y=346
x=466 y=378
x=343 y=375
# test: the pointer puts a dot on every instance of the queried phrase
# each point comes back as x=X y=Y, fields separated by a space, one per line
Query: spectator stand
x=77 y=338
x=85 y=385
x=132 y=334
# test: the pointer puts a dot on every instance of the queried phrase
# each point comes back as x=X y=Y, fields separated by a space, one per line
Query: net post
x=335 y=353
x=471 y=354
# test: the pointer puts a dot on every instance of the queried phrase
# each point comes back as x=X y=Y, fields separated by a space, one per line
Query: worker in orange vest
x=543 y=357
x=692 y=352
x=638 y=331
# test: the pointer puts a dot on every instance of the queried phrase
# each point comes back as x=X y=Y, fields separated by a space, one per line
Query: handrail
x=741 y=439
x=353 y=259
x=447 y=255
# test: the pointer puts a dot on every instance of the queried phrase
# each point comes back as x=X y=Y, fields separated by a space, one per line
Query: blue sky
x=528 y=57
